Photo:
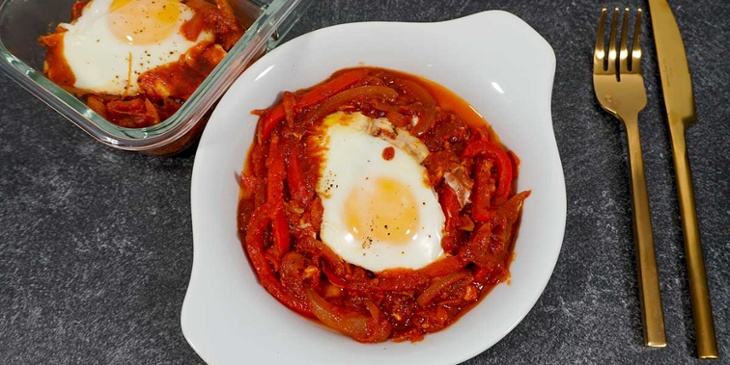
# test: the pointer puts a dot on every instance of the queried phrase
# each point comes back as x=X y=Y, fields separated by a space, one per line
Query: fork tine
x=636 y=45
x=623 y=51
x=612 y=44
x=599 y=52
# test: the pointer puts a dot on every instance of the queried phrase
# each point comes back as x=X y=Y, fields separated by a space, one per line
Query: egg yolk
x=384 y=211
x=143 y=22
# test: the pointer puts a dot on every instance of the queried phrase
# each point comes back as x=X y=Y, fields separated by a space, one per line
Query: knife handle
x=649 y=294
x=699 y=293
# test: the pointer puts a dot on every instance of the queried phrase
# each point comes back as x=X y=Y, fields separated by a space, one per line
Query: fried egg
x=114 y=41
x=379 y=210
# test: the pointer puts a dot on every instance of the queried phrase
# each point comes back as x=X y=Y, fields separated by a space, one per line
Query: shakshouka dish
x=135 y=62
x=379 y=204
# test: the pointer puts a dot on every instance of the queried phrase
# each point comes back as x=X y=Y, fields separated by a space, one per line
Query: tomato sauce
x=279 y=213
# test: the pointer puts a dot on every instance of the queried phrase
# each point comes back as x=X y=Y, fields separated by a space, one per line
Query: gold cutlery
x=620 y=90
x=680 y=105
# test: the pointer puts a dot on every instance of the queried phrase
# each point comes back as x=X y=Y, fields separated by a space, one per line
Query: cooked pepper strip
x=331 y=87
x=295 y=177
x=450 y=206
x=502 y=162
x=280 y=229
x=346 y=97
x=275 y=115
x=360 y=327
x=483 y=190
x=276 y=174
x=254 y=242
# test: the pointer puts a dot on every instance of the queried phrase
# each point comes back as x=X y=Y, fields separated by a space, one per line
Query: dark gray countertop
x=96 y=243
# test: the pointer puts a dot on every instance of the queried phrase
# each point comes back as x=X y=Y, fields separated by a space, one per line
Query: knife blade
x=680 y=106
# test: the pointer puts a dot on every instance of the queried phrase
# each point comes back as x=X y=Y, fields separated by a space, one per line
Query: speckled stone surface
x=96 y=243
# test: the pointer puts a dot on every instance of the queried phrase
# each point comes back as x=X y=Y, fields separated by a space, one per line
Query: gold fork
x=620 y=90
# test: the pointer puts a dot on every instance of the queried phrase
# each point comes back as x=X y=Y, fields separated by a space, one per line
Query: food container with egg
x=24 y=23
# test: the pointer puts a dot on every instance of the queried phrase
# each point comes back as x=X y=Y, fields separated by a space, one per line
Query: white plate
x=498 y=64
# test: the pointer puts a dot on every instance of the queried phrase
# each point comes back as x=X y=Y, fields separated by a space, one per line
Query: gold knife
x=680 y=104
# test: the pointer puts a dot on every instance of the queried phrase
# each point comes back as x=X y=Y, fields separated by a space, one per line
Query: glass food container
x=22 y=22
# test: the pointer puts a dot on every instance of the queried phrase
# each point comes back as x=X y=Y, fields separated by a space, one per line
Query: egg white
x=353 y=160
x=104 y=64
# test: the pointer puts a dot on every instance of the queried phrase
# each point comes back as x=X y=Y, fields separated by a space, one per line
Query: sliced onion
x=347 y=321
x=439 y=285
x=331 y=105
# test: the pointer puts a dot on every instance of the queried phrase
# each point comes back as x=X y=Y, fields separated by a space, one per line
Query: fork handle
x=699 y=293
x=649 y=295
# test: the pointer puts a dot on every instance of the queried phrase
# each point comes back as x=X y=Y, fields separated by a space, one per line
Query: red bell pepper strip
x=254 y=244
x=450 y=205
x=272 y=117
x=482 y=248
x=276 y=175
x=295 y=177
x=276 y=114
x=507 y=214
x=255 y=233
x=280 y=230
x=490 y=276
x=502 y=162
x=480 y=275
x=331 y=87
x=483 y=191
x=348 y=96
x=275 y=197
x=289 y=100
